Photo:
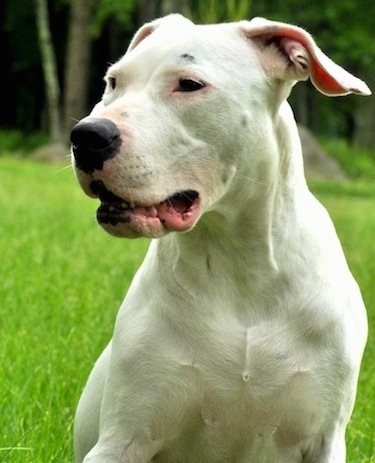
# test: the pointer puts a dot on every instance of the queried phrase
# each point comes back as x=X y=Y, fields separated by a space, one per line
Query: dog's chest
x=233 y=394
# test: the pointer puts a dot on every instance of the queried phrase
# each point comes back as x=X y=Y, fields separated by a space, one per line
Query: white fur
x=239 y=340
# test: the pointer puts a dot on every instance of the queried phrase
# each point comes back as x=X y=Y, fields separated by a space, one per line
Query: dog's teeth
x=152 y=211
x=124 y=205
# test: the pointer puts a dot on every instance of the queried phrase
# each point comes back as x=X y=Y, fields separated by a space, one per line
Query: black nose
x=94 y=141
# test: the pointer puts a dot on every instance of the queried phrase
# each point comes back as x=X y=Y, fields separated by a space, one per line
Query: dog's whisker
x=66 y=167
x=250 y=179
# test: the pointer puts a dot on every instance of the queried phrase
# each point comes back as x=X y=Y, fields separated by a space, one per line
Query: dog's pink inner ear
x=304 y=57
x=328 y=77
x=142 y=33
x=297 y=53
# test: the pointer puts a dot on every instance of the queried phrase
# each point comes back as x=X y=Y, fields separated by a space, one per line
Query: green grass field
x=62 y=281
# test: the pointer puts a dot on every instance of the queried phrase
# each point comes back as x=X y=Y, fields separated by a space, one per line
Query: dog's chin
x=177 y=213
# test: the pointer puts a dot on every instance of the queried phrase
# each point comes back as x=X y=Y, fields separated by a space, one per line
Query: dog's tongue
x=179 y=212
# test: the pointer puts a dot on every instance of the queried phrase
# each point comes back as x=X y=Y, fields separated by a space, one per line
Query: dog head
x=187 y=118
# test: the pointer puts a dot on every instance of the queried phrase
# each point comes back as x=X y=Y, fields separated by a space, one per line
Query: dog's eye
x=190 y=85
x=111 y=82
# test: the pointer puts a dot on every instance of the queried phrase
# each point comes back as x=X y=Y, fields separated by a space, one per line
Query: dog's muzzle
x=93 y=142
x=96 y=140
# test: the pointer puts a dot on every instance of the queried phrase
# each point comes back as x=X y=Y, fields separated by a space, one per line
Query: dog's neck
x=239 y=237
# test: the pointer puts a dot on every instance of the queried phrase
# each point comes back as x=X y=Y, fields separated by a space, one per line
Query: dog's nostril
x=94 y=141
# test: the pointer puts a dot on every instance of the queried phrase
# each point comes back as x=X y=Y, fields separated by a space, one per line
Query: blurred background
x=55 y=54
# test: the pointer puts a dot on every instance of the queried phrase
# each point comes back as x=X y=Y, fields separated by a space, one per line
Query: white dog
x=241 y=336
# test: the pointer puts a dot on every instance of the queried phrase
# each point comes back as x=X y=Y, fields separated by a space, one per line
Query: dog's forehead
x=191 y=34
x=193 y=45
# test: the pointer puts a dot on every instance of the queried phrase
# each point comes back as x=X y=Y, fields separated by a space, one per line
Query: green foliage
x=357 y=189
x=358 y=164
x=60 y=294
x=211 y=11
x=121 y=10
x=15 y=141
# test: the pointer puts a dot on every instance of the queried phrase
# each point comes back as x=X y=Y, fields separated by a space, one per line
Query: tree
x=50 y=70
x=77 y=63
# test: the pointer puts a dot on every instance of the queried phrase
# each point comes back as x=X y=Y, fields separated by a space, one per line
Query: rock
x=318 y=165
x=51 y=153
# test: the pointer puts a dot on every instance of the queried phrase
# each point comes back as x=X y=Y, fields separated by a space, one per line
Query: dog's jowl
x=241 y=336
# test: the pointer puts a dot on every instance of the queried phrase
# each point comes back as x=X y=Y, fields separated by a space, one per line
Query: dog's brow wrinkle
x=188 y=57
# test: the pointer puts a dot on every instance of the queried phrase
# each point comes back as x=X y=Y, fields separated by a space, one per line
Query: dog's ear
x=288 y=52
x=142 y=33
x=148 y=28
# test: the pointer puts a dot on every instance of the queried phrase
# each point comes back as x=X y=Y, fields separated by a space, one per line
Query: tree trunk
x=50 y=70
x=176 y=6
x=77 y=64
x=364 y=134
x=147 y=11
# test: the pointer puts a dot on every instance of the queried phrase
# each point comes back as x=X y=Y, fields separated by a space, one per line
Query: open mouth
x=178 y=212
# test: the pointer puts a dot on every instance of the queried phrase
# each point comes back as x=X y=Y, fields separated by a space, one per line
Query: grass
x=63 y=280
x=352 y=208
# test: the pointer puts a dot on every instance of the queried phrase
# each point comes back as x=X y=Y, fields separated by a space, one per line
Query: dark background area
x=344 y=30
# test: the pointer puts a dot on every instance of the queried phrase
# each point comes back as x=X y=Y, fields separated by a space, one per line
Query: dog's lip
x=177 y=212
